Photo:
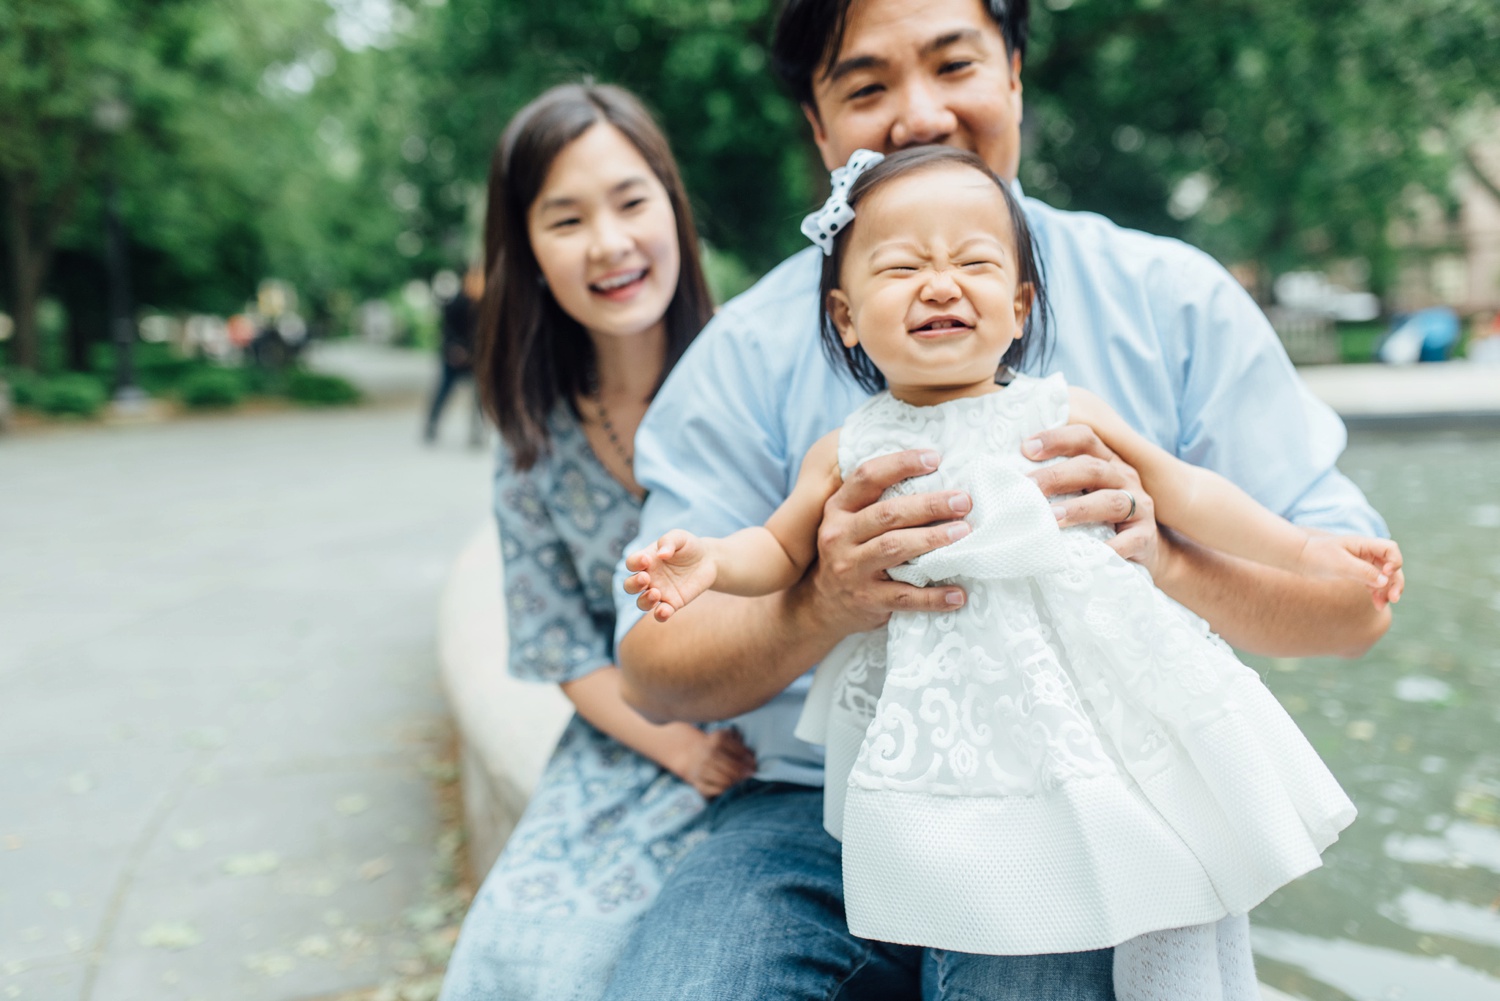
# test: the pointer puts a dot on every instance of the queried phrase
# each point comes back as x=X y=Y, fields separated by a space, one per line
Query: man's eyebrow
x=950 y=38
x=844 y=67
x=855 y=63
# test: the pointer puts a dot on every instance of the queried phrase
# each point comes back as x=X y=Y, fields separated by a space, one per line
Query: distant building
x=1454 y=259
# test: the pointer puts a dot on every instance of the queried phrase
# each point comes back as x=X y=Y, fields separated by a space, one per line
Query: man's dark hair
x=1031 y=346
x=809 y=34
x=531 y=353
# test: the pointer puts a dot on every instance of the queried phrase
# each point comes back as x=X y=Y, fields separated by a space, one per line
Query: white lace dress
x=1071 y=759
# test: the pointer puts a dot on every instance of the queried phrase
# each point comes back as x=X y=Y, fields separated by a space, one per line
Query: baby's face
x=929 y=283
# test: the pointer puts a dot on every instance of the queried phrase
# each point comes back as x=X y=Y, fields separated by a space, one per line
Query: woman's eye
x=868 y=90
x=564 y=223
x=634 y=203
x=956 y=65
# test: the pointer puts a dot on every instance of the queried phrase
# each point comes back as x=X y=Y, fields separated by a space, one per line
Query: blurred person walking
x=593 y=291
x=456 y=355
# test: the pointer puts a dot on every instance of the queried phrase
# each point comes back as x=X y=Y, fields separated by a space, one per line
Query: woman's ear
x=1025 y=295
x=843 y=320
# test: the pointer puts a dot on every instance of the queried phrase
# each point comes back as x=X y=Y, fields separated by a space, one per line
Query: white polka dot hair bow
x=836 y=214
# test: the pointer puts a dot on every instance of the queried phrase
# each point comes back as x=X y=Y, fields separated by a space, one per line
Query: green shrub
x=24 y=387
x=211 y=388
x=319 y=390
x=72 y=393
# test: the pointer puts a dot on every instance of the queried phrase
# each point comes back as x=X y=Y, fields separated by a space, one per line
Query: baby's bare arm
x=763 y=560
x=1196 y=502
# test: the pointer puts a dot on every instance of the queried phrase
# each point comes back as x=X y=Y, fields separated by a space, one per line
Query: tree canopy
x=343 y=147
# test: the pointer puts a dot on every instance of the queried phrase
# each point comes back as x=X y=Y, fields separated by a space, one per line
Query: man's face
x=915 y=73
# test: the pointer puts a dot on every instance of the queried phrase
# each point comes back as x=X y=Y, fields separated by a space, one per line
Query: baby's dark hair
x=1031 y=346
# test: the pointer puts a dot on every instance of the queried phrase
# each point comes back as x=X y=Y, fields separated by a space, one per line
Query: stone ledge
x=507 y=728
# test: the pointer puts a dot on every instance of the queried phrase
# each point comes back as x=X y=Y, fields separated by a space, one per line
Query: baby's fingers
x=663 y=610
x=637 y=582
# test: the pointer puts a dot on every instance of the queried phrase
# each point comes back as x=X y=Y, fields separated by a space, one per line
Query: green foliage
x=279 y=138
x=24 y=386
x=212 y=388
x=319 y=390
x=1271 y=130
x=71 y=394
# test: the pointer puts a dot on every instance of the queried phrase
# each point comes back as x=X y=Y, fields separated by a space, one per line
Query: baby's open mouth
x=940 y=324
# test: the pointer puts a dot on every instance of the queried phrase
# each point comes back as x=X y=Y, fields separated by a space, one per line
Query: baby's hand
x=670 y=574
x=709 y=762
x=1375 y=563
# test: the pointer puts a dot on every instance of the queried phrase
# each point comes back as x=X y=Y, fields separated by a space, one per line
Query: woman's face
x=605 y=236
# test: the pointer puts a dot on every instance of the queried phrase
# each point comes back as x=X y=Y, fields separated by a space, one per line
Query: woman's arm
x=1212 y=511
x=709 y=762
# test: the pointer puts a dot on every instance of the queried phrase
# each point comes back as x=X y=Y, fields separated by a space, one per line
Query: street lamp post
x=112 y=115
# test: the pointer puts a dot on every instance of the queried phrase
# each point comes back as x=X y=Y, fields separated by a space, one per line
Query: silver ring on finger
x=1131 y=513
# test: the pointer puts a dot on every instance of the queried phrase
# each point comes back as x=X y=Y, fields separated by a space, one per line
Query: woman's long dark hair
x=1031 y=346
x=531 y=353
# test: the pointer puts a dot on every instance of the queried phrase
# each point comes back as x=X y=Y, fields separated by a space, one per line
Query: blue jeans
x=757 y=911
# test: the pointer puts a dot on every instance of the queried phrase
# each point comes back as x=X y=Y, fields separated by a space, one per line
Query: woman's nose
x=923 y=117
x=611 y=240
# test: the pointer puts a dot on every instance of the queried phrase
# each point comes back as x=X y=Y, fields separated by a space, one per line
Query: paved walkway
x=219 y=718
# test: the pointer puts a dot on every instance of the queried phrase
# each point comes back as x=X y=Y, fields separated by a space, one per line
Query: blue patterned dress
x=605 y=825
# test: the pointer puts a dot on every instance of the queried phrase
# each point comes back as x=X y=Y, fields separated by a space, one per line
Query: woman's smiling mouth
x=620 y=285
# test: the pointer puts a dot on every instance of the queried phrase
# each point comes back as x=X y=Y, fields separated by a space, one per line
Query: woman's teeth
x=619 y=281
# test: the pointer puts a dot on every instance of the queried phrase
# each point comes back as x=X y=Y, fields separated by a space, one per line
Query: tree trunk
x=25 y=280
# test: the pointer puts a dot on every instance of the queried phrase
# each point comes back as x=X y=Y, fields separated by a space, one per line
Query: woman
x=593 y=291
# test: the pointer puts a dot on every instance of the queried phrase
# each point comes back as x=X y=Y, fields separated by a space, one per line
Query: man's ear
x=820 y=135
x=1025 y=296
x=843 y=320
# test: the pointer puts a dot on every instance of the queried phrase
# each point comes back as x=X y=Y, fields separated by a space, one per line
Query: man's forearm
x=1262 y=610
x=721 y=655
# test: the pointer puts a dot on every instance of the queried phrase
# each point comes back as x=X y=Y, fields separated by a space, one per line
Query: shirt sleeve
x=1244 y=411
x=711 y=451
x=553 y=636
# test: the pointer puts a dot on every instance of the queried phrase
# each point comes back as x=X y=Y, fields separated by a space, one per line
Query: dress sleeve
x=553 y=636
x=1244 y=412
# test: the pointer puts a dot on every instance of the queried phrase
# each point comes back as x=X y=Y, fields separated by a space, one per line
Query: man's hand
x=1108 y=485
x=862 y=537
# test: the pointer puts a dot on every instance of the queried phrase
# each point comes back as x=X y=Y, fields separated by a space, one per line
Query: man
x=1155 y=327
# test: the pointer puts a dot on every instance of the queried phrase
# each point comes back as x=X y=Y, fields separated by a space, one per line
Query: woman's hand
x=709 y=762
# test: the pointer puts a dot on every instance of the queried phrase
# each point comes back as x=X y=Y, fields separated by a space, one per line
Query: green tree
x=1270 y=130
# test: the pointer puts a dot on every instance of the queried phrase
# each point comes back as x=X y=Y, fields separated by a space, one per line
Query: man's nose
x=923 y=118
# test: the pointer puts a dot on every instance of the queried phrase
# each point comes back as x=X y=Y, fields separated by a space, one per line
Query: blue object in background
x=1426 y=335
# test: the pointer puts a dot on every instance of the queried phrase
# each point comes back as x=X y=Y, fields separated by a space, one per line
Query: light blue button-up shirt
x=1152 y=325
